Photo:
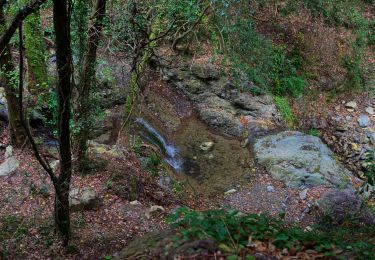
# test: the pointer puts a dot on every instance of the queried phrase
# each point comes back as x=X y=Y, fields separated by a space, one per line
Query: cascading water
x=172 y=155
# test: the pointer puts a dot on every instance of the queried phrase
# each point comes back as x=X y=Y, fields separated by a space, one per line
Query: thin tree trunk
x=87 y=81
x=8 y=82
x=61 y=22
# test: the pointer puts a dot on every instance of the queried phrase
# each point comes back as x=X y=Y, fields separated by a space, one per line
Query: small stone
x=83 y=199
x=351 y=105
x=55 y=165
x=206 y=146
x=135 y=203
x=303 y=194
x=154 y=210
x=9 y=151
x=342 y=127
x=354 y=146
x=370 y=110
x=231 y=191
x=270 y=188
x=364 y=121
x=245 y=142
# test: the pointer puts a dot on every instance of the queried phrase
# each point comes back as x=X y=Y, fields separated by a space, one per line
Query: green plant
x=314 y=132
x=266 y=65
x=369 y=173
x=151 y=163
x=234 y=232
x=285 y=110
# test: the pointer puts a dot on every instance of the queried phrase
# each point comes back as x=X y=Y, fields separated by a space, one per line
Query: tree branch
x=38 y=156
x=20 y=16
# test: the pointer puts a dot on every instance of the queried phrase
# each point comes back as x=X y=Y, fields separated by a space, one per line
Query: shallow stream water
x=222 y=167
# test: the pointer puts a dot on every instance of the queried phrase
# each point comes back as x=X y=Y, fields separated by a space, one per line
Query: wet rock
x=9 y=166
x=83 y=199
x=364 y=121
x=343 y=205
x=300 y=160
x=351 y=105
x=205 y=71
x=206 y=146
x=370 y=110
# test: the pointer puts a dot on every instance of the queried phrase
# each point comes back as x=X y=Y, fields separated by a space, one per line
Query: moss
x=35 y=53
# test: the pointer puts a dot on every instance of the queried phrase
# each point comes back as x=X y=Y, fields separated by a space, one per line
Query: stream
x=210 y=163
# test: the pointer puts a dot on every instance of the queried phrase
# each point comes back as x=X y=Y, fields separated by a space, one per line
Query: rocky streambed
x=233 y=144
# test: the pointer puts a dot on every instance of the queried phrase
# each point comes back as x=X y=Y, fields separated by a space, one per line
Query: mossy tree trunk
x=35 y=54
x=86 y=85
x=8 y=80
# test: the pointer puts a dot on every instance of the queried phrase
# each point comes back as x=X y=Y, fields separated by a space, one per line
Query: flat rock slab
x=300 y=160
x=8 y=166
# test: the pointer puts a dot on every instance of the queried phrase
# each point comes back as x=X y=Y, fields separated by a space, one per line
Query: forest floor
x=26 y=210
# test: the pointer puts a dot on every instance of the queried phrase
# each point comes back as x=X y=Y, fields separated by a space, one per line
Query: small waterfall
x=172 y=155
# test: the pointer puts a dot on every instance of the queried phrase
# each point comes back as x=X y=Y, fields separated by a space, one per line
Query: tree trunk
x=35 y=54
x=87 y=81
x=61 y=22
x=9 y=83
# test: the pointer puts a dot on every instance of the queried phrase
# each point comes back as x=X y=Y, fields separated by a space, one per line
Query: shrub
x=285 y=110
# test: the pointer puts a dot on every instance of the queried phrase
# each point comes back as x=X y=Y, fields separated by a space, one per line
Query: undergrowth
x=235 y=232
x=282 y=105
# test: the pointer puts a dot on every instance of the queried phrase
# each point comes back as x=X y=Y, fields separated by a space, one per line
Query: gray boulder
x=300 y=160
x=344 y=205
x=205 y=71
x=83 y=199
x=222 y=121
x=9 y=166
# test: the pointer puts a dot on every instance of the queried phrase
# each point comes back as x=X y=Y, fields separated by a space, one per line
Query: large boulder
x=9 y=166
x=344 y=205
x=300 y=160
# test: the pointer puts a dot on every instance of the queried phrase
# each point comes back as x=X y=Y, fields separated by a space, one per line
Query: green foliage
x=313 y=132
x=151 y=163
x=35 y=53
x=234 y=231
x=285 y=110
x=369 y=173
x=266 y=65
x=48 y=102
